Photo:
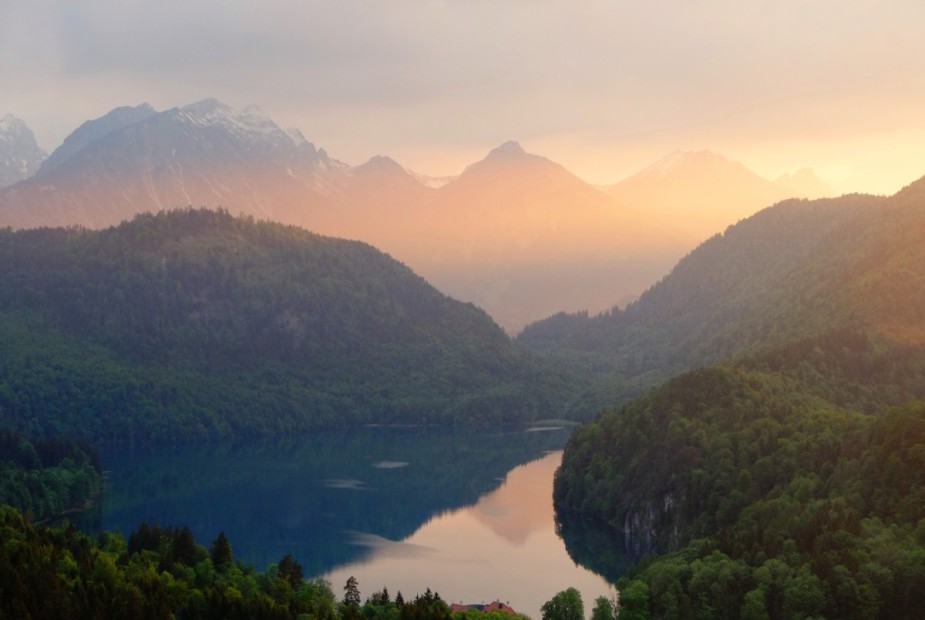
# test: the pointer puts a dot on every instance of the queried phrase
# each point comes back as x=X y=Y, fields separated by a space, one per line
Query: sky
x=603 y=87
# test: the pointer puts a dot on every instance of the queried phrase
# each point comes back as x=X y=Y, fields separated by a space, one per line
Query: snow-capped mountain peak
x=297 y=138
x=20 y=156
x=207 y=108
x=248 y=125
x=9 y=125
x=214 y=112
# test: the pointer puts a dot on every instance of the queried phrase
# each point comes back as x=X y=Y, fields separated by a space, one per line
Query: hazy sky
x=602 y=87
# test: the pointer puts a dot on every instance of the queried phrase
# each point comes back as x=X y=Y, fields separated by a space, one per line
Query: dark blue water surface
x=310 y=495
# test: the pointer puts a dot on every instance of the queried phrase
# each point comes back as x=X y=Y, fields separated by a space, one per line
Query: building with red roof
x=495 y=606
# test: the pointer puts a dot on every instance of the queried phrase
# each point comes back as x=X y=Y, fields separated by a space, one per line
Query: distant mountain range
x=514 y=233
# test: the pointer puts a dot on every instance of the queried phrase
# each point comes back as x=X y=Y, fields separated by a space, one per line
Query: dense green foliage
x=47 y=477
x=566 y=605
x=763 y=482
x=787 y=481
x=604 y=609
x=163 y=573
x=193 y=323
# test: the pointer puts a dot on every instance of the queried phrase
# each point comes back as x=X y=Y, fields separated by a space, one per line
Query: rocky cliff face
x=653 y=527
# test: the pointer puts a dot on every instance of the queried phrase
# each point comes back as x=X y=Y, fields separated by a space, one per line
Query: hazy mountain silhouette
x=702 y=192
x=522 y=236
x=804 y=183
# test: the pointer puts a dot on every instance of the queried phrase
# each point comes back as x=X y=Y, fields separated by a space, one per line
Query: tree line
x=162 y=573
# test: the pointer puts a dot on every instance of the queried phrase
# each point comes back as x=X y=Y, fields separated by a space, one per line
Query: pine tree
x=221 y=553
x=290 y=570
x=351 y=592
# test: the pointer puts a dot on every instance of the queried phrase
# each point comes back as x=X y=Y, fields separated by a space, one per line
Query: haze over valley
x=514 y=233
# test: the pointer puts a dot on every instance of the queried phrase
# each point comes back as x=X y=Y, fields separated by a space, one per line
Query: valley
x=750 y=434
x=462 y=310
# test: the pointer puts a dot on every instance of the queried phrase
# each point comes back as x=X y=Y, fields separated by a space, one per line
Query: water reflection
x=310 y=495
x=597 y=546
x=503 y=547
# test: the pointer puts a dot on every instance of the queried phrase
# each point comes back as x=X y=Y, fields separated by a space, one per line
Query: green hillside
x=705 y=309
x=792 y=271
x=742 y=482
x=788 y=480
x=193 y=323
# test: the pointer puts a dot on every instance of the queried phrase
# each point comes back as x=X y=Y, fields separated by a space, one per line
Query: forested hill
x=786 y=481
x=194 y=323
x=764 y=487
x=793 y=270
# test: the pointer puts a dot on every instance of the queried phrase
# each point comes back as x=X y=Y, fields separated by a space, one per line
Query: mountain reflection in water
x=503 y=547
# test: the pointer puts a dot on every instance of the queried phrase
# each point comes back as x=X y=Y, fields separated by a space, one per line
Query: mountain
x=20 y=156
x=192 y=323
x=702 y=192
x=515 y=233
x=804 y=183
x=379 y=202
x=759 y=489
x=93 y=130
x=522 y=237
x=781 y=475
x=134 y=160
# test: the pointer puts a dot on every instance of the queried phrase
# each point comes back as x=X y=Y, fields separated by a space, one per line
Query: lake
x=466 y=513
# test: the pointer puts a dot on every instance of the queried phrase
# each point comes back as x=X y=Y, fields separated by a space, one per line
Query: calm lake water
x=467 y=514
